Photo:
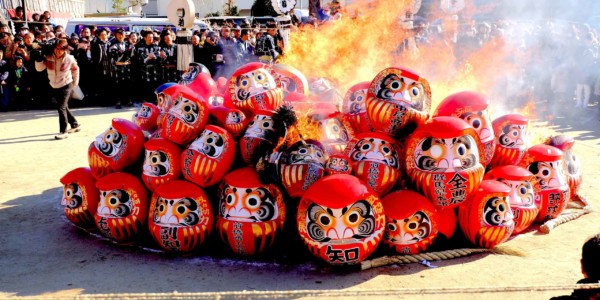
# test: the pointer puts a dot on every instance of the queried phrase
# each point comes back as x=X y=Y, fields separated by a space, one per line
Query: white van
x=129 y=24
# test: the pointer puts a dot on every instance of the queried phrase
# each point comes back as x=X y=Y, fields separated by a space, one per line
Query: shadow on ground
x=43 y=254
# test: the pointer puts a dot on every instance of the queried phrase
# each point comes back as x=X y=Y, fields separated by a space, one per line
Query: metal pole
x=24 y=12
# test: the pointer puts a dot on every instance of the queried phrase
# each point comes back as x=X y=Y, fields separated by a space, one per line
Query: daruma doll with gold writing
x=162 y=162
x=80 y=197
x=443 y=160
x=209 y=157
x=341 y=220
x=116 y=148
x=375 y=159
x=302 y=165
x=397 y=97
x=254 y=87
x=486 y=218
x=180 y=216
x=547 y=165
x=523 y=193
x=511 y=139
x=574 y=177
x=187 y=117
x=354 y=107
x=411 y=222
x=473 y=108
x=123 y=207
x=251 y=214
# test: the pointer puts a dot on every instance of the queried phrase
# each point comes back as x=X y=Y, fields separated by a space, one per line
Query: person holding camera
x=63 y=74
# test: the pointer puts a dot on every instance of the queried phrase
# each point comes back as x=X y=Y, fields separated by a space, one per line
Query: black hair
x=590 y=257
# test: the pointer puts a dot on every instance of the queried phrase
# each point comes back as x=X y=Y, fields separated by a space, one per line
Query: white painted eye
x=436 y=151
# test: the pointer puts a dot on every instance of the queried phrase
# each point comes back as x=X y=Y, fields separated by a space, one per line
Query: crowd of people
x=552 y=62
x=112 y=62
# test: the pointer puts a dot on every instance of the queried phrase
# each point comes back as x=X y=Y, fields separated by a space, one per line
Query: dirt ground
x=42 y=255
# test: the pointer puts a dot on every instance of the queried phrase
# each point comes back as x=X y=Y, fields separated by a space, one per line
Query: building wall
x=61 y=10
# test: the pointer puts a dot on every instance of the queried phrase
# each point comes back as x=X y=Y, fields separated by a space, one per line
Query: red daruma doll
x=375 y=160
x=338 y=164
x=180 y=216
x=302 y=165
x=523 y=193
x=354 y=107
x=486 y=218
x=209 y=157
x=162 y=162
x=292 y=80
x=123 y=207
x=251 y=214
x=443 y=160
x=574 y=176
x=254 y=87
x=185 y=119
x=547 y=165
x=341 y=220
x=473 y=108
x=116 y=148
x=80 y=197
x=511 y=142
x=411 y=222
x=147 y=117
x=397 y=97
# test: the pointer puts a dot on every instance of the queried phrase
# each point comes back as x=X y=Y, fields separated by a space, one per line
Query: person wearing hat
x=120 y=61
x=73 y=42
x=63 y=74
x=213 y=54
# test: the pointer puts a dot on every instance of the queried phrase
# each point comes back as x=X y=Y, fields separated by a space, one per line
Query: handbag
x=77 y=93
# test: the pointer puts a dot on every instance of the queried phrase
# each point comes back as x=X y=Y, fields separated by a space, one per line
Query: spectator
x=20 y=87
x=245 y=48
x=120 y=59
x=213 y=55
x=101 y=62
x=266 y=47
x=19 y=18
x=4 y=105
x=85 y=33
x=63 y=76
x=17 y=48
x=147 y=54
x=48 y=18
x=168 y=57
x=230 y=54
x=83 y=56
x=590 y=267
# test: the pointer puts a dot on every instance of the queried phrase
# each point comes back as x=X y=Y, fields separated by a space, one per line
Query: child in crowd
x=19 y=85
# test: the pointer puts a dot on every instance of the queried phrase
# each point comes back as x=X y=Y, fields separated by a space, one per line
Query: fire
x=355 y=49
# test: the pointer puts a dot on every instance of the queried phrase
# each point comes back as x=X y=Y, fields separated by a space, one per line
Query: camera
x=42 y=49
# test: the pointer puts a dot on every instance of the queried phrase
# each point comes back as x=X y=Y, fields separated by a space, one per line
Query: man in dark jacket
x=147 y=56
x=120 y=59
x=590 y=267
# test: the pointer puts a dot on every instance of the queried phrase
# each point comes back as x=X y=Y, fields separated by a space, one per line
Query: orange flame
x=355 y=49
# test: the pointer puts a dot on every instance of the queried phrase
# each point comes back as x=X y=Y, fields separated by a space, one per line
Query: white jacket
x=61 y=70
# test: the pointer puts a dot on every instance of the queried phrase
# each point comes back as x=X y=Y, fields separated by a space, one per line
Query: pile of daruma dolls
x=235 y=160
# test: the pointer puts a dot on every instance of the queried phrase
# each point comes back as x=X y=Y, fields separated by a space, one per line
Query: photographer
x=63 y=74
